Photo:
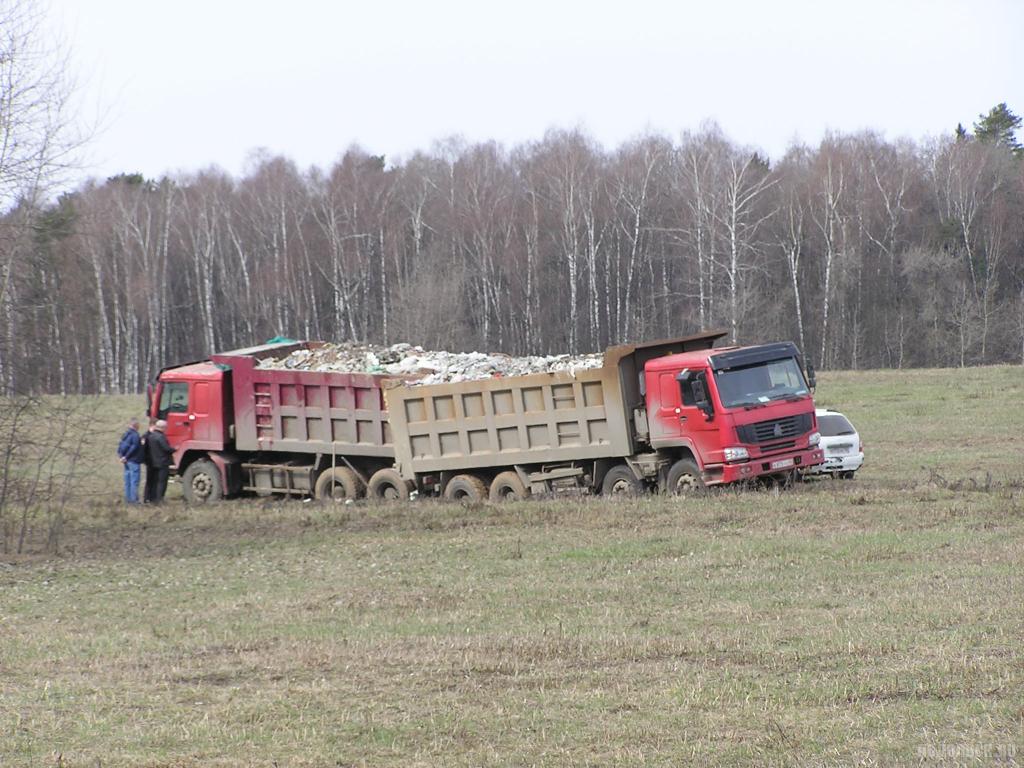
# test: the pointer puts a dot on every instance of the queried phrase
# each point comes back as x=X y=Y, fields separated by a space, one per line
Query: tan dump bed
x=543 y=418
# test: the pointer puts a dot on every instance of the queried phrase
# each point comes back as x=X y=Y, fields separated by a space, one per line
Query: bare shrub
x=41 y=444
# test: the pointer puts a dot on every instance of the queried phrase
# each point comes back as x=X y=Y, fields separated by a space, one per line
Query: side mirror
x=811 y=380
x=149 y=399
x=700 y=398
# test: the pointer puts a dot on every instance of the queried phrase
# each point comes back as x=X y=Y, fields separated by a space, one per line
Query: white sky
x=188 y=84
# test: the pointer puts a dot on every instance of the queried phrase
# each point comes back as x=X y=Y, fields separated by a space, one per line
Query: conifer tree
x=999 y=126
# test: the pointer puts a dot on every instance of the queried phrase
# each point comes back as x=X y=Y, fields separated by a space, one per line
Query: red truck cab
x=741 y=412
x=191 y=399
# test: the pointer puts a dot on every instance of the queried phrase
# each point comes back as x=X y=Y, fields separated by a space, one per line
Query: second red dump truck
x=669 y=415
x=236 y=427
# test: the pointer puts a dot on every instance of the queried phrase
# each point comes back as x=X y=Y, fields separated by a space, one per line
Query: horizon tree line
x=866 y=252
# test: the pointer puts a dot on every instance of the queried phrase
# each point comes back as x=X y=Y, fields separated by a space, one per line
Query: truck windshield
x=754 y=385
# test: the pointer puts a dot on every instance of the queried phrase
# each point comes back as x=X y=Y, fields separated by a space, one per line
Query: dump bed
x=541 y=418
x=305 y=411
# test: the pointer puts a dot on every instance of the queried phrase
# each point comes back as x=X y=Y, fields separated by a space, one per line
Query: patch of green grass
x=872 y=622
x=959 y=422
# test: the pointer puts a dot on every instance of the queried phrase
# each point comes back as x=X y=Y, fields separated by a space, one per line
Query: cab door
x=665 y=416
x=675 y=418
x=703 y=434
x=200 y=409
x=174 y=409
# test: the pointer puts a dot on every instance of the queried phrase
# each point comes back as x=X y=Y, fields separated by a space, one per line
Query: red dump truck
x=237 y=427
x=669 y=415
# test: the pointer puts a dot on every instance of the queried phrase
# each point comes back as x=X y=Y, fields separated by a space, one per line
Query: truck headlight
x=736 y=454
x=814 y=439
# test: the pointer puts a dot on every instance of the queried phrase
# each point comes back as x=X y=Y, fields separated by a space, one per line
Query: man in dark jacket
x=158 y=463
x=150 y=474
x=131 y=454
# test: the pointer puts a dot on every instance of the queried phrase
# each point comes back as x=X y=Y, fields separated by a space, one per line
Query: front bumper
x=849 y=463
x=717 y=474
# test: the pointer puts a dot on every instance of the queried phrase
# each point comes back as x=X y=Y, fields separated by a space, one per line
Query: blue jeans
x=131 y=482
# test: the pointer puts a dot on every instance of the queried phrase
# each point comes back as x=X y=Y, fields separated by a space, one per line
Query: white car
x=844 y=451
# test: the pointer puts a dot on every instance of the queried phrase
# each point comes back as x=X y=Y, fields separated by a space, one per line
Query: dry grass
x=873 y=622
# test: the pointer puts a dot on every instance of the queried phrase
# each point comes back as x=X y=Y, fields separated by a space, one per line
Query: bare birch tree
x=39 y=142
x=828 y=216
x=746 y=181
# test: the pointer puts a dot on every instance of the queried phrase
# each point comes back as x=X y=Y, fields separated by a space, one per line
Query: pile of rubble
x=432 y=367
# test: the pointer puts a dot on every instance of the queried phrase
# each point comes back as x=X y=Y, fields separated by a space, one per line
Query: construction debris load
x=433 y=367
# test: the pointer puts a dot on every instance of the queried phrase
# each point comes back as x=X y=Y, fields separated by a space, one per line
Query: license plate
x=782 y=463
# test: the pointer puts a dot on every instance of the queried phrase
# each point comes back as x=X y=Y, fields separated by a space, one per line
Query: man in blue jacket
x=131 y=454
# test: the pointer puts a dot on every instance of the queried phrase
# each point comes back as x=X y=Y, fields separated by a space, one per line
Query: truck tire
x=387 y=485
x=465 y=488
x=202 y=482
x=684 y=478
x=338 y=484
x=507 y=486
x=620 y=481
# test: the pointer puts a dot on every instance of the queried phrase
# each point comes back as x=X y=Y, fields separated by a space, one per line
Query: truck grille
x=775 y=429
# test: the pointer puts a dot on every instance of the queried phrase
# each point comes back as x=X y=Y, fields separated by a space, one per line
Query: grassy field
x=869 y=622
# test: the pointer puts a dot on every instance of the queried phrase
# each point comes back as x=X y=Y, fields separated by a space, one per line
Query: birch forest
x=864 y=251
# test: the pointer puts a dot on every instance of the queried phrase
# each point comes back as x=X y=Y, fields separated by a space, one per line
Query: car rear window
x=834 y=424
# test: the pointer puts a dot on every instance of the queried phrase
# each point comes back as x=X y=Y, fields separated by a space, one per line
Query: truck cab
x=736 y=412
x=191 y=399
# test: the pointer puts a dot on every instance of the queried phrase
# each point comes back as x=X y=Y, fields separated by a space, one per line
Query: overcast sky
x=190 y=84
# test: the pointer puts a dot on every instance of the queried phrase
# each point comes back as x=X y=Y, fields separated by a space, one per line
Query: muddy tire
x=466 y=488
x=508 y=487
x=620 y=481
x=338 y=484
x=387 y=485
x=684 y=478
x=202 y=483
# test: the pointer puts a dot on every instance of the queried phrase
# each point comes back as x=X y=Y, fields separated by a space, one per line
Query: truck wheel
x=387 y=485
x=202 y=483
x=465 y=488
x=683 y=478
x=508 y=487
x=620 y=481
x=338 y=484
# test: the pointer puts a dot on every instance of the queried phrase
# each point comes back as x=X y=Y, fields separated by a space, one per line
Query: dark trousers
x=156 y=483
